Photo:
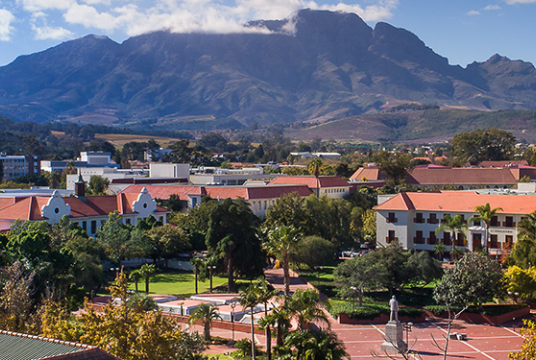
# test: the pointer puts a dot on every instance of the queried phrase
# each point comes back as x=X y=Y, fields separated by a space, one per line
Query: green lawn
x=176 y=283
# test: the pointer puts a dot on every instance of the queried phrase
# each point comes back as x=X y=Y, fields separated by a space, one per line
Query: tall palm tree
x=527 y=227
x=456 y=253
x=249 y=299
x=146 y=271
x=206 y=313
x=135 y=276
x=453 y=224
x=484 y=214
x=316 y=345
x=315 y=166
x=439 y=250
x=281 y=318
x=306 y=306
x=264 y=295
x=281 y=241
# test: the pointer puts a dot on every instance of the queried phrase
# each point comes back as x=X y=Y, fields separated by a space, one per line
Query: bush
x=244 y=348
x=368 y=311
x=314 y=251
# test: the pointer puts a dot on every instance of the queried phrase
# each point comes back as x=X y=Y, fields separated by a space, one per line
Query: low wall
x=427 y=315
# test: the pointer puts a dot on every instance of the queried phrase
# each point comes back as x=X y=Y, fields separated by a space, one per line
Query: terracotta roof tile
x=459 y=201
x=164 y=191
x=461 y=176
x=325 y=181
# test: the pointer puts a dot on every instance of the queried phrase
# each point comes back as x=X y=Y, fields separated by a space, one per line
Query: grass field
x=177 y=283
x=121 y=139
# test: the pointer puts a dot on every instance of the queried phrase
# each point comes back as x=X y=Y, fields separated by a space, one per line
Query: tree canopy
x=482 y=144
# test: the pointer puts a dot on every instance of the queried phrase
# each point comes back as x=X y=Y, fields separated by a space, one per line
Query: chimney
x=80 y=187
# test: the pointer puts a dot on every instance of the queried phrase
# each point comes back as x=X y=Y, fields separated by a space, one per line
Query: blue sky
x=461 y=30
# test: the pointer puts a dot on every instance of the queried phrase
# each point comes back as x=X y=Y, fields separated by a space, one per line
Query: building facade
x=411 y=219
x=19 y=165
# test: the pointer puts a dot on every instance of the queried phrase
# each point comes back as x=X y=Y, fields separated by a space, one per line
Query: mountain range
x=313 y=66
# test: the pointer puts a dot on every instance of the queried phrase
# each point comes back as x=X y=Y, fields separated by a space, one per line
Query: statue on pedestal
x=393 y=342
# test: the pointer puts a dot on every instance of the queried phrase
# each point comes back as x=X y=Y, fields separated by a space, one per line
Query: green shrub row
x=368 y=311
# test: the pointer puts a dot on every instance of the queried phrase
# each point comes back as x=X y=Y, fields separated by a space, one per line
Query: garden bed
x=493 y=314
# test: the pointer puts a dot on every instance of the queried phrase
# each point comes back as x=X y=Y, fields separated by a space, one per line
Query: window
x=493 y=243
x=432 y=240
x=418 y=218
x=463 y=219
x=391 y=237
x=476 y=222
x=432 y=219
x=264 y=204
x=391 y=218
x=93 y=226
x=509 y=242
x=418 y=239
x=446 y=238
x=509 y=221
x=84 y=225
x=461 y=240
x=494 y=221
x=194 y=201
x=477 y=242
x=161 y=219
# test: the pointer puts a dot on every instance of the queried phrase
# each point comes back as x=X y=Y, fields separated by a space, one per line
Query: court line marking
x=471 y=346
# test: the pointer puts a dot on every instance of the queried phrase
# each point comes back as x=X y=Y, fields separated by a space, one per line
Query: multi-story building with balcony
x=19 y=165
x=411 y=219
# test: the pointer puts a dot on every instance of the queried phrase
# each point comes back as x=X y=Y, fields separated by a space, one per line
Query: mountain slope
x=316 y=65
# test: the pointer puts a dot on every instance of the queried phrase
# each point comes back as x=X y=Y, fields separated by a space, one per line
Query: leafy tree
x=521 y=281
x=213 y=140
x=314 y=251
x=146 y=271
x=394 y=165
x=114 y=237
x=528 y=349
x=206 y=313
x=359 y=273
x=280 y=242
x=135 y=276
x=142 y=302
x=195 y=223
x=127 y=332
x=16 y=304
x=523 y=253
x=484 y=214
x=232 y=235
x=315 y=166
x=181 y=152
x=288 y=210
x=98 y=185
x=369 y=225
x=400 y=267
x=168 y=241
x=439 y=250
x=482 y=144
x=527 y=227
x=475 y=278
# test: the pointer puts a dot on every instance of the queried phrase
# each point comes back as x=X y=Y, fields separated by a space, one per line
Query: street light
x=233 y=305
x=116 y=270
x=355 y=292
x=210 y=268
x=407 y=327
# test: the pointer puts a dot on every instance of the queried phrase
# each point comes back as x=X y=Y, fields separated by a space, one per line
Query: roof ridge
x=42 y=338
x=407 y=201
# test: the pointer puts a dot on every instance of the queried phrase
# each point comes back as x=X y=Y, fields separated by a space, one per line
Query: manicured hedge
x=368 y=311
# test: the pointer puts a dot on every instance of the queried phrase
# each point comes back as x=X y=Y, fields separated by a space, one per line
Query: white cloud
x=473 y=12
x=6 y=18
x=492 y=7
x=49 y=32
x=190 y=15
x=511 y=2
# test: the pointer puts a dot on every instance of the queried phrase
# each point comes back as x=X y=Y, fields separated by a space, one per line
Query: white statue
x=393 y=303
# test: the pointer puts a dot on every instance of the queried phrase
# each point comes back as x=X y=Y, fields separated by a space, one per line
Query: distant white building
x=87 y=159
x=323 y=155
x=218 y=176
x=168 y=170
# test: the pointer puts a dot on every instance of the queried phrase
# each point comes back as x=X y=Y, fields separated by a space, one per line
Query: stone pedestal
x=393 y=342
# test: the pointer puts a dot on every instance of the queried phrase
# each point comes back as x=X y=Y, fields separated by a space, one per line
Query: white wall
x=168 y=170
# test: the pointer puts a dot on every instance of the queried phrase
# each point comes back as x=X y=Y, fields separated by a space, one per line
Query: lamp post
x=116 y=271
x=233 y=305
x=355 y=292
x=210 y=268
x=407 y=327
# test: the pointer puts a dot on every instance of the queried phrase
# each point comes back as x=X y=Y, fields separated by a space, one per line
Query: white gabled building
x=411 y=219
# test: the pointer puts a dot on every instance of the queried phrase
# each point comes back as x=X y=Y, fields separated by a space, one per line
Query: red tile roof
x=500 y=163
x=310 y=181
x=444 y=175
x=459 y=201
x=29 y=208
x=223 y=192
x=461 y=176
